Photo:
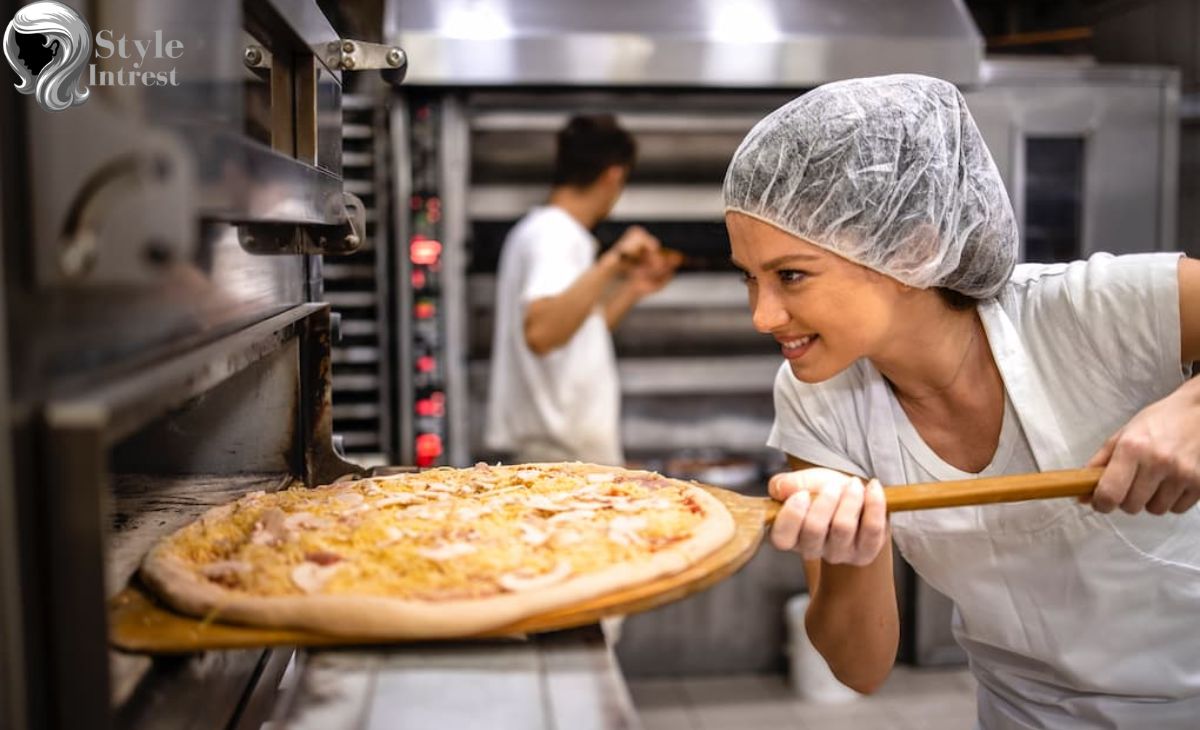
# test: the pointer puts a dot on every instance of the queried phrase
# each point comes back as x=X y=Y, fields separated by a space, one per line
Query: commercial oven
x=167 y=348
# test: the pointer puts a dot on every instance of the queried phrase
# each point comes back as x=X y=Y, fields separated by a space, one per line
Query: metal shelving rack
x=359 y=289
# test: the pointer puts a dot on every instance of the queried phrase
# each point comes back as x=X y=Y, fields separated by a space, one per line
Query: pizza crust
x=396 y=618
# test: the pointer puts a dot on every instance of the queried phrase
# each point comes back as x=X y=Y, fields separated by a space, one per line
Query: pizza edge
x=397 y=618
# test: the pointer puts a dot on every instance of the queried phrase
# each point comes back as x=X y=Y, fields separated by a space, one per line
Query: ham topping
x=532 y=535
x=525 y=580
x=271 y=528
x=350 y=499
x=446 y=552
x=306 y=521
x=323 y=557
x=572 y=516
x=402 y=498
x=312 y=577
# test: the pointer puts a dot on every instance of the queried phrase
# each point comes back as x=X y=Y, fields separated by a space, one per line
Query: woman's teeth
x=793 y=344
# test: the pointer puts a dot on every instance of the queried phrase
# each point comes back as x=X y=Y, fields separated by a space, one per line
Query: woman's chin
x=814 y=370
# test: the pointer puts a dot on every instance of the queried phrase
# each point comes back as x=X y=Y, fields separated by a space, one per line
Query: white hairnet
x=889 y=172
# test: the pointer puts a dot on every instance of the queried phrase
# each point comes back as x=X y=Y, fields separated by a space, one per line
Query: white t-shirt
x=1071 y=618
x=1102 y=340
x=565 y=404
x=922 y=464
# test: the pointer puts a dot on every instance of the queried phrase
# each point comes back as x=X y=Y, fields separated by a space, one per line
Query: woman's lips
x=796 y=348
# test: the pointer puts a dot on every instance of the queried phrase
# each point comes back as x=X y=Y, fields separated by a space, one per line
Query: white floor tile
x=911 y=699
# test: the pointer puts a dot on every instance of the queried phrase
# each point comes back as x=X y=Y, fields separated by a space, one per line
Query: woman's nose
x=768 y=314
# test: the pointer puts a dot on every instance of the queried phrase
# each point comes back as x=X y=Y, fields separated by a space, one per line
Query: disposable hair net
x=889 y=172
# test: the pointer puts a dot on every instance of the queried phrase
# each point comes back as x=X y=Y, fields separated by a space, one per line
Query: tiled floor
x=912 y=699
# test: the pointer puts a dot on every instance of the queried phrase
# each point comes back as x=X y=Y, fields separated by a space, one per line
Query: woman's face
x=825 y=311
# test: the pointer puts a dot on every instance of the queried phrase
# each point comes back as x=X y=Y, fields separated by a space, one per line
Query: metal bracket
x=272 y=239
x=345 y=55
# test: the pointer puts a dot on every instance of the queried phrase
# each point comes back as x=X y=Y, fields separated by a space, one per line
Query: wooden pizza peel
x=139 y=623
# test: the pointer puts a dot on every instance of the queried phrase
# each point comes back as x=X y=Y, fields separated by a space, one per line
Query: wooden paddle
x=987 y=490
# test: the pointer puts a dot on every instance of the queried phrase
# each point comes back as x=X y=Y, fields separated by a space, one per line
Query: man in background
x=553 y=393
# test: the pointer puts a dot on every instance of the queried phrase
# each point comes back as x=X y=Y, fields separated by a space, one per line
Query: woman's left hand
x=1153 y=462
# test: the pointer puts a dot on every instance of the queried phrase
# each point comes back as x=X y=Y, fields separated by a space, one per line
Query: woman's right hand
x=829 y=516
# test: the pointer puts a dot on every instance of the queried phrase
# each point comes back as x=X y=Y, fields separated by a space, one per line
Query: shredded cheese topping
x=440 y=534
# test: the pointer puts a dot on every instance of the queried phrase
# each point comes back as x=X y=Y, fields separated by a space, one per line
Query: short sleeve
x=557 y=257
x=1128 y=310
x=808 y=421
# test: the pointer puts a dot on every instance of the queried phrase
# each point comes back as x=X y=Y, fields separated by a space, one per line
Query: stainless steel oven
x=166 y=344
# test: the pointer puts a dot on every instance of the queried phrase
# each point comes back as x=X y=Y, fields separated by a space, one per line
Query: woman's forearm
x=853 y=620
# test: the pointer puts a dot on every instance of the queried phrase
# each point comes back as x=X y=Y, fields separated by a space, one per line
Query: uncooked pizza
x=442 y=552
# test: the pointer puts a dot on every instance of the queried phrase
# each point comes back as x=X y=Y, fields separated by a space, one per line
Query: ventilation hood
x=669 y=43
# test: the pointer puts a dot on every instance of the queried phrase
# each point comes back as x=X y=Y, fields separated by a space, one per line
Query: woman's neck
x=939 y=358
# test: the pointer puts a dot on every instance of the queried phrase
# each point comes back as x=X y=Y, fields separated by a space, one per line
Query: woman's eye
x=791 y=276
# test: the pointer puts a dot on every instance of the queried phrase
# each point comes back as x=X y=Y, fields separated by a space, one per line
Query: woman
x=878 y=246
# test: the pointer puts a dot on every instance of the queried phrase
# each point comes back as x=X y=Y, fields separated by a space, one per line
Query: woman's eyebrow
x=779 y=261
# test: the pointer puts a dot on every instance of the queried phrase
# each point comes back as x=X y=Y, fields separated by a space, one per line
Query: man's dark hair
x=588 y=146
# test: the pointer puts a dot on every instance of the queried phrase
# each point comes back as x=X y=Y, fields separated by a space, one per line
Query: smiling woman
x=878 y=247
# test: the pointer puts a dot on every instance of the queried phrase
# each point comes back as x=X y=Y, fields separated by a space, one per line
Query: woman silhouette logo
x=48 y=45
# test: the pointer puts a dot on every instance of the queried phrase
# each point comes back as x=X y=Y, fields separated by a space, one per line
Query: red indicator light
x=434 y=405
x=424 y=251
x=426 y=364
x=418 y=279
x=425 y=309
x=433 y=216
x=415 y=202
x=429 y=448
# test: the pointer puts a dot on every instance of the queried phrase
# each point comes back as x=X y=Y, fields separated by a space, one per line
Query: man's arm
x=652 y=273
x=619 y=304
x=550 y=322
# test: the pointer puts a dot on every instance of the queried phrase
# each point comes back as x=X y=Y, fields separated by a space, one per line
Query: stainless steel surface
x=361 y=287
x=147 y=338
x=639 y=202
x=1127 y=118
x=275 y=417
x=567 y=679
x=12 y=620
x=697 y=376
x=755 y=43
x=398 y=128
x=455 y=163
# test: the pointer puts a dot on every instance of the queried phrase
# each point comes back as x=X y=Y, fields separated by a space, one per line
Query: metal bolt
x=394 y=57
x=334 y=46
x=333 y=62
x=352 y=241
x=348 y=63
x=348 y=46
x=253 y=56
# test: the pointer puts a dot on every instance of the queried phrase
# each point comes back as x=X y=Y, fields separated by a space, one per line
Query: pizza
x=437 y=553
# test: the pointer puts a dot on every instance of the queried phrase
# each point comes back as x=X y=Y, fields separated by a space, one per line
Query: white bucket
x=811 y=677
